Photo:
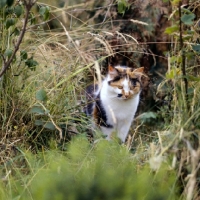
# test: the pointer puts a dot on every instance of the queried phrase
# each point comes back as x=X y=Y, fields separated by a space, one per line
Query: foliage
x=183 y=74
x=45 y=68
x=103 y=170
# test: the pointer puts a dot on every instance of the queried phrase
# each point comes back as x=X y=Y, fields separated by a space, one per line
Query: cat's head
x=125 y=81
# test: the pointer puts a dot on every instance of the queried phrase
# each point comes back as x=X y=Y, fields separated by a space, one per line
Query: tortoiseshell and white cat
x=113 y=105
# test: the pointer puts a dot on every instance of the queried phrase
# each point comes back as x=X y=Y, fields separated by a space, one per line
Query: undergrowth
x=47 y=148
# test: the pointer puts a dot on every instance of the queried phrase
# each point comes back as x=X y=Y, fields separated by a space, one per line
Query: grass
x=44 y=134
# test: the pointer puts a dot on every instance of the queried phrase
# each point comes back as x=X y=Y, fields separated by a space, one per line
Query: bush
x=105 y=170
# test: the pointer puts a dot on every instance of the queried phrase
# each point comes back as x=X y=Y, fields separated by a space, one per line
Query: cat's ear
x=112 y=71
x=139 y=70
x=138 y=73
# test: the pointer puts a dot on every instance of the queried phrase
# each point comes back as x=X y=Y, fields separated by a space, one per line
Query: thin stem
x=183 y=67
x=6 y=65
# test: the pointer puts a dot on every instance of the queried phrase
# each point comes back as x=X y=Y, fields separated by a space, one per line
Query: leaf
x=192 y=78
x=32 y=19
x=147 y=116
x=172 y=73
x=47 y=111
x=10 y=22
x=188 y=18
x=8 y=52
x=8 y=11
x=44 y=12
x=23 y=55
x=41 y=95
x=16 y=31
x=190 y=91
x=175 y=2
x=31 y=63
x=49 y=125
x=39 y=123
x=121 y=6
x=18 y=10
x=196 y=48
x=37 y=110
x=171 y=29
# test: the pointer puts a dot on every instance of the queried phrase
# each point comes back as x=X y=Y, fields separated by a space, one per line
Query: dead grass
x=66 y=64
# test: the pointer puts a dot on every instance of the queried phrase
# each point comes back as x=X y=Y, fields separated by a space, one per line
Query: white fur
x=120 y=112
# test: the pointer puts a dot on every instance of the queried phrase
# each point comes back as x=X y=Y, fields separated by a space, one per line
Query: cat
x=113 y=104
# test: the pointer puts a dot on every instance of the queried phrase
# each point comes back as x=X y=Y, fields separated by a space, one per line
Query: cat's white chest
x=120 y=109
x=120 y=114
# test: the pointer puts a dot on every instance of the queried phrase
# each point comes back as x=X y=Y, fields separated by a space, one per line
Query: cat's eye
x=120 y=87
x=134 y=82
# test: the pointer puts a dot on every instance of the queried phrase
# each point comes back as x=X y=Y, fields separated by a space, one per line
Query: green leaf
x=49 y=125
x=8 y=52
x=122 y=6
x=147 y=116
x=37 y=110
x=8 y=11
x=39 y=123
x=175 y=2
x=18 y=10
x=188 y=18
x=44 y=12
x=47 y=111
x=2 y=3
x=16 y=31
x=173 y=73
x=32 y=19
x=41 y=95
x=10 y=22
x=192 y=78
x=171 y=29
x=23 y=55
x=9 y=2
x=196 y=48
x=31 y=63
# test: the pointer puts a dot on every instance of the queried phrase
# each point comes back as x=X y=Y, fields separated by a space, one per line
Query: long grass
x=38 y=146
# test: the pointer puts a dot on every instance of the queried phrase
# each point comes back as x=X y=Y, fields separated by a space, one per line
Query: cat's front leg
x=123 y=129
x=109 y=132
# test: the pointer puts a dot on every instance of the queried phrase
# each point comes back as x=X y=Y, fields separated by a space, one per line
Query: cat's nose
x=126 y=96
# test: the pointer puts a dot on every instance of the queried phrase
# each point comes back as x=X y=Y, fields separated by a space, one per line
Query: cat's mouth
x=121 y=96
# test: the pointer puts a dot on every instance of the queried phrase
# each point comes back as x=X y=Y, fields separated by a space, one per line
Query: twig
x=6 y=65
x=183 y=56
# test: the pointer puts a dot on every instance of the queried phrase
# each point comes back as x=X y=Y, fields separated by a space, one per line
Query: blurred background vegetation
x=47 y=149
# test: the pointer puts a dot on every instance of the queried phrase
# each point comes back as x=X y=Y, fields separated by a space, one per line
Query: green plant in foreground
x=104 y=170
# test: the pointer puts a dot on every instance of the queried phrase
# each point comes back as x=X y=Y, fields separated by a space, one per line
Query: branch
x=6 y=65
x=183 y=55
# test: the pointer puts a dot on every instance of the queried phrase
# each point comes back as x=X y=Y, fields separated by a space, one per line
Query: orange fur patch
x=133 y=77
